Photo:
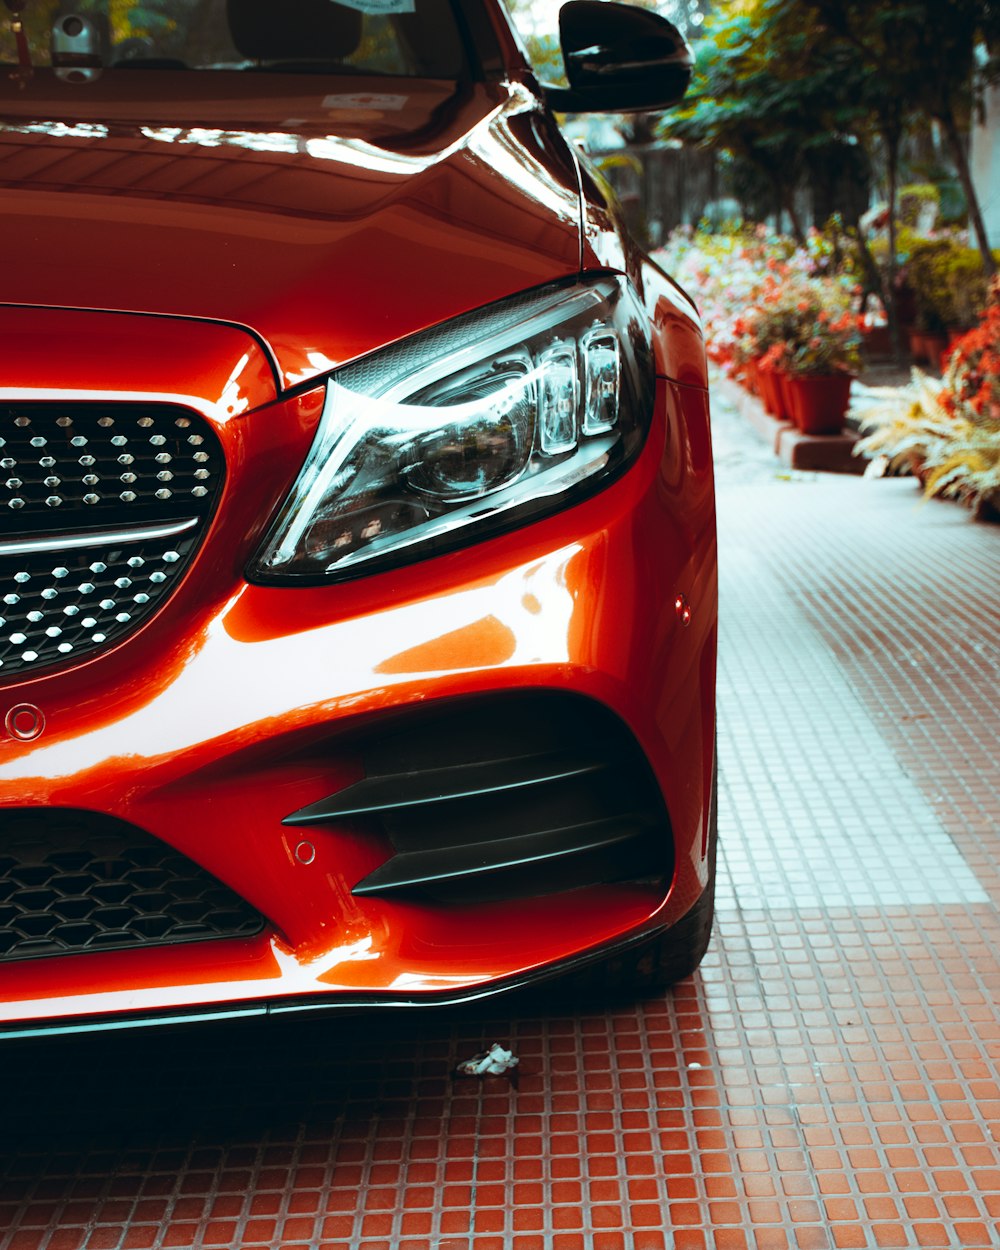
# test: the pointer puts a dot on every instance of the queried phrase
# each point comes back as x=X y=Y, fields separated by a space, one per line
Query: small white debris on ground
x=492 y=1062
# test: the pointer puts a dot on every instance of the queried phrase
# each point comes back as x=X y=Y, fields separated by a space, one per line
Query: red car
x=358 y=562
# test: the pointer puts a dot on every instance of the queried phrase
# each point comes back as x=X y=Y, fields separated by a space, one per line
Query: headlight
x=475 y=426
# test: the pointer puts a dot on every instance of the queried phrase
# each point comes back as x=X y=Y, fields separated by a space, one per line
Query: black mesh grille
x=75 y=881
x=101 y=507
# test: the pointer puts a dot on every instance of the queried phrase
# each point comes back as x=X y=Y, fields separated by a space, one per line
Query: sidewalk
x=829 y=1078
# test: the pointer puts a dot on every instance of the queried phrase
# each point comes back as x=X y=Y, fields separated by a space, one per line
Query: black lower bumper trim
x=355 y=1003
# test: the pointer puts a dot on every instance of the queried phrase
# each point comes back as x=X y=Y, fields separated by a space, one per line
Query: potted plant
x=948 y=432
x=821 y=358
x=774 y=318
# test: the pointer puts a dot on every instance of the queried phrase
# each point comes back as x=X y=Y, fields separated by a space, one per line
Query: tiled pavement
x=829 y=1078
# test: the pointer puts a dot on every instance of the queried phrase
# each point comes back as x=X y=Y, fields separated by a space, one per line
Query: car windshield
x=411 y=38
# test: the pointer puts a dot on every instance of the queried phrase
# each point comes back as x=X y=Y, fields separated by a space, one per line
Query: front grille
x=502 y=797
x=77 y=881
x=101 y=508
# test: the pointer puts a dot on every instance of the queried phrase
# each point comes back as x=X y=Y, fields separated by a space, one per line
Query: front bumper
x=237 y=705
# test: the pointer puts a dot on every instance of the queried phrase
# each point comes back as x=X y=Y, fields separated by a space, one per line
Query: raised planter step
x=823 y=453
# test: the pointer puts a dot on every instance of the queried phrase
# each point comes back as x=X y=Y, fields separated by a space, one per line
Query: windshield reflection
x=357 y=153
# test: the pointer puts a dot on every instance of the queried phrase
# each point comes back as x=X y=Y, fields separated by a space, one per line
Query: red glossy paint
x=207 y=742
x=50 y=353
x=398 y=219
x=210 y=269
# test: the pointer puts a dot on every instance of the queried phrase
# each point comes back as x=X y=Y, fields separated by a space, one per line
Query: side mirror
x=619 y=59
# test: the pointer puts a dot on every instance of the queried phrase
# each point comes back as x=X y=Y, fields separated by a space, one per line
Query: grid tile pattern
x=924 y=656
x=829 y=1077
x=802 y=793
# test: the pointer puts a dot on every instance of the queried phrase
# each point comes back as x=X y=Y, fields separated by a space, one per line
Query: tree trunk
x=785 y=199
x=793 y=217
x=873 y=277
x=961 y=158
x=892 y=141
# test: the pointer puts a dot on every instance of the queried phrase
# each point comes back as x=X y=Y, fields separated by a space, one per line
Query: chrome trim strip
x=95 y=538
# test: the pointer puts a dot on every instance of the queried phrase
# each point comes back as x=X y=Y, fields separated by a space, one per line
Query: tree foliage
x=766 y=93
x=792 y=85
x=923 y=56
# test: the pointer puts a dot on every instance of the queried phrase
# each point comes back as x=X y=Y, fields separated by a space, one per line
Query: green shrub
x=946 y=276
x=915 y=201
x=949 y=283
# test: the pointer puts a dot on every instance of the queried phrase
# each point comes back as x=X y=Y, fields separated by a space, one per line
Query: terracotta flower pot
x=767 y=388
x=820 y=402
x=786 y=400
x=926 y=346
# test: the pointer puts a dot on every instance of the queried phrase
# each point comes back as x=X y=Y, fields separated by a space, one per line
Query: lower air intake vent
x=505 y=797
x=76 y=881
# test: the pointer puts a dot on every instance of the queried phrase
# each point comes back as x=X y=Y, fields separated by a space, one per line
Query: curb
x=823 y=453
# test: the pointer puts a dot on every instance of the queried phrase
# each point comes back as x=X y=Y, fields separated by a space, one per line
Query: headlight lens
x=466 y=429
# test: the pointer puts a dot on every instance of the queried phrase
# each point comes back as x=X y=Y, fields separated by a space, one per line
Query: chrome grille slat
x=95 y=538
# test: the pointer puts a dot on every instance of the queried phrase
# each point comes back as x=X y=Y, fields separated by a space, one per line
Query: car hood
x=328 y=219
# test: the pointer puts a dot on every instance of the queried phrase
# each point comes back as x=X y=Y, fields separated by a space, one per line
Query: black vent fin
x=442 y=785
x=501 y=796
x=452 y=864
